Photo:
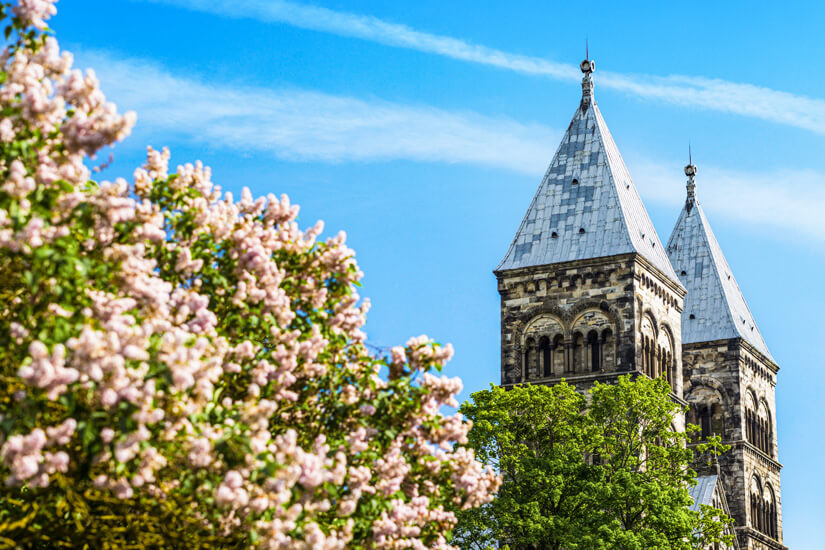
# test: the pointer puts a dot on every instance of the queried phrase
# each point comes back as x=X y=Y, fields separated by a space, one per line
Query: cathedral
x=589 y=293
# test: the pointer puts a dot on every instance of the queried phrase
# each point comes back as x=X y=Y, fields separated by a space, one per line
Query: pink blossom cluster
x=190 y=326
x=26 y=459
x=401 y=526
x=35 y=12
x=47 y=370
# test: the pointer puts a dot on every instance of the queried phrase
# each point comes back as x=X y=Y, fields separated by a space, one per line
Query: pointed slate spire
x=714 y=308
x=586 y=206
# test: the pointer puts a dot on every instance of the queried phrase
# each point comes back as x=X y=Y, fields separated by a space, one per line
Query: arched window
x=591 y=352
x=578 y=352
x=763 y=509
x=595 y=351
x=706 y=410
x=763 y=515
x=766 y=428
x=544 y=354
x=758 y=425
x=750 y=418
x=704 y=419
x=529 y=357
x=665 y=366
x=756 y=504
x=538 y=350
x=771 y=523
x=763 y=428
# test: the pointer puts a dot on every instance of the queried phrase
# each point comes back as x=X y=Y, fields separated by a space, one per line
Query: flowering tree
x=182 y=368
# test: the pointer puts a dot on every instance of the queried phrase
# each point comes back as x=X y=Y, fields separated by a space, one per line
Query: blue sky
x=423 y=129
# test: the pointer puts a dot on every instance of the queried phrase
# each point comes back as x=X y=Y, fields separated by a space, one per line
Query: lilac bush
x=163 y=342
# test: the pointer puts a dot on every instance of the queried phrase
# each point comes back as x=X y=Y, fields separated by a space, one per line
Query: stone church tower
x=589 y=293
x=729 y=376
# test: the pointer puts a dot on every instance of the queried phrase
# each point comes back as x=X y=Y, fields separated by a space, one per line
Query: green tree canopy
x=606 y=470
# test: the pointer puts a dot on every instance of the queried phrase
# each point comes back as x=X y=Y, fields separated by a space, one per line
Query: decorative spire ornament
x=587 y=66
x=690 y=172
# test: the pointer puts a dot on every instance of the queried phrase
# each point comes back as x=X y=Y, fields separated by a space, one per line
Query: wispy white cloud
x=296 y=124
x=310 y=126
x=714 y=94
x=377 y=30
x=787 y=200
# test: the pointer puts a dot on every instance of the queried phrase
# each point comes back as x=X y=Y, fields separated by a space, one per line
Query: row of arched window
x=758 y=423
x=707 y=411
x=543 y=358
x=551 y=355
x=657 y=360
x=656 y=354
x=759 y=431
x=763 y=510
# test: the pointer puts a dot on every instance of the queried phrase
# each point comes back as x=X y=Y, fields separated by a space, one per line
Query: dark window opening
x=705 y=421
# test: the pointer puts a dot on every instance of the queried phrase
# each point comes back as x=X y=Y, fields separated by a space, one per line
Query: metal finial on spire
x=690 y=172
x=587 y=67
